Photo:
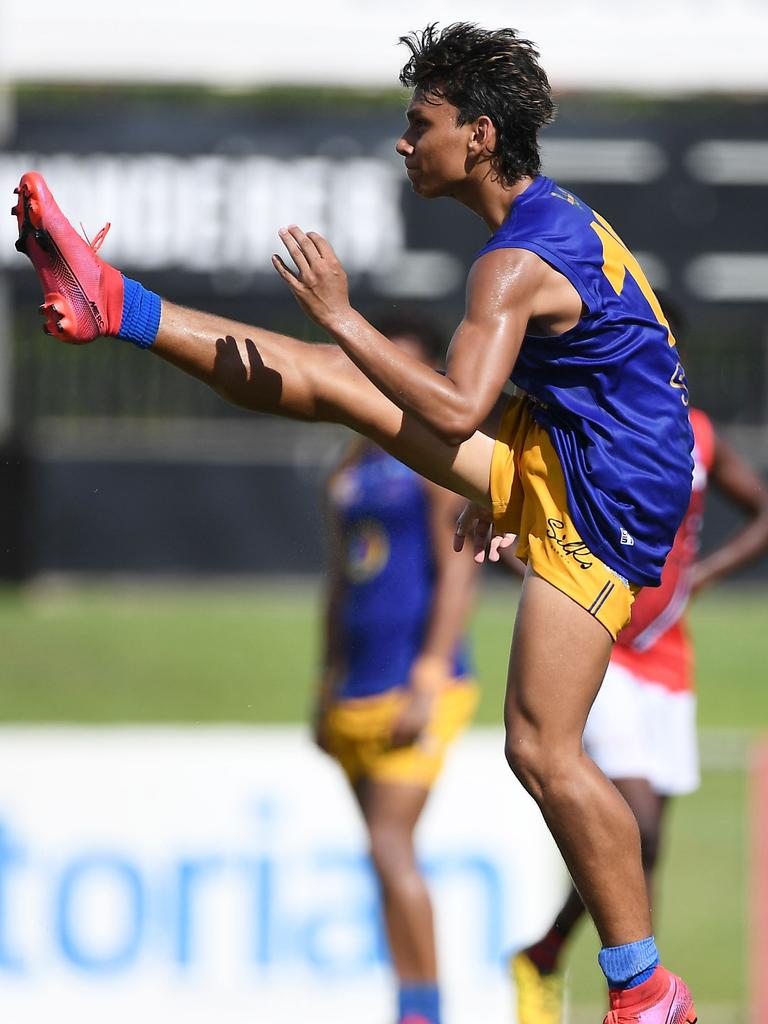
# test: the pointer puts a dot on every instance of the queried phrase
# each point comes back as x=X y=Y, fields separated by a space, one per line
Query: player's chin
x=425 y=188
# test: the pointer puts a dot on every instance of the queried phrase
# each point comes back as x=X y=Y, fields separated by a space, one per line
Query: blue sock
x=420 y=998
x=141 y=314
x=630 y=965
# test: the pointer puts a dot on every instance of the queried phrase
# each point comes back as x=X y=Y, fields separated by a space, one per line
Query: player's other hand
x=476 y=522
x=413 y=719
x=319 y=282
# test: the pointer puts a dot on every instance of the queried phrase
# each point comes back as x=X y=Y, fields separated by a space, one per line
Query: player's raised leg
x=268 y=372
x=85 y=298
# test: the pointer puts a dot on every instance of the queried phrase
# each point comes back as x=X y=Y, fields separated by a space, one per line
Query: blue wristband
x=141 y=314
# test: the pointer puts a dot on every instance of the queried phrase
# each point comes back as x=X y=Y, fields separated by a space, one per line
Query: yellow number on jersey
x=617 y=260
x=678 y=380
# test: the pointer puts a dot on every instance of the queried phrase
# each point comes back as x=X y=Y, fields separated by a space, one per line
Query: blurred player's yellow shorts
x=359 y=730
x=530 y=499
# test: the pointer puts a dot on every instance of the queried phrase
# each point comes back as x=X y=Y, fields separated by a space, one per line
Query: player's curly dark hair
x=491 y=72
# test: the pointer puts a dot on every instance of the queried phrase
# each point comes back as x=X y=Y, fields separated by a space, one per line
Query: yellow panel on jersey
x=359 y=735
x=530 y=499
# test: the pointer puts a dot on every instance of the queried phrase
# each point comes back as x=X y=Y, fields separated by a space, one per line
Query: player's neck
x=490 y=199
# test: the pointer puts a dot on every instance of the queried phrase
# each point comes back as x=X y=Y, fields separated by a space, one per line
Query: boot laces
x=98 y=238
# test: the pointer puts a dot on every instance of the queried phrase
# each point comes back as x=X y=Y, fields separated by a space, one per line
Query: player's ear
x=484 y=134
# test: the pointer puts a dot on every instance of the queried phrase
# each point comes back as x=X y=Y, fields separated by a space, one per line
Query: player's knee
x=518 y=755
x=539 y=764
x=526 y=757
x=391 y=852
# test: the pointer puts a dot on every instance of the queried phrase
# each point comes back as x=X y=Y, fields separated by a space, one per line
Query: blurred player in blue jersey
x=396 y=688
x=589 y=465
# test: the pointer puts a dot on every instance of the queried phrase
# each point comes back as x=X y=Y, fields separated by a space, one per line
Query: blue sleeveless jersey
x=389 y=570
x=611 y=393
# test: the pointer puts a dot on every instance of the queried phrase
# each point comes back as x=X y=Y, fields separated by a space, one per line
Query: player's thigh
x=343 y=394
x=391 y=809
x=558 y=659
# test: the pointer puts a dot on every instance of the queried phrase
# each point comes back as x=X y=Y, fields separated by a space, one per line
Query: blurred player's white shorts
x=641 y=730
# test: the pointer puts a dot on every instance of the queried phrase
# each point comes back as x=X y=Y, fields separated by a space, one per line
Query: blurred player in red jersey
x=641 y=730
x=396 y=687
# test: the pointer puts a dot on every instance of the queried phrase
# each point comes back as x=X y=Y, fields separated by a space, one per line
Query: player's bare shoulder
x=522 y=283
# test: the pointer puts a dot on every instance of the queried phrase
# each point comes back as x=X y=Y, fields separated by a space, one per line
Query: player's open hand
x=319 y=283
x=476 y=522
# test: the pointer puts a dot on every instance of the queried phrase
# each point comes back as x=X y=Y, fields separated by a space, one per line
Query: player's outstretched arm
x=743 y=487
x=502 y=291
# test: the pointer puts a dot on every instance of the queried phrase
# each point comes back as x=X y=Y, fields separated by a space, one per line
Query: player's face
x=434 y=146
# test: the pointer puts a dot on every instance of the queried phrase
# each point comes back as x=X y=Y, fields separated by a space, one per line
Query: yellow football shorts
x=359 y=734
x=529 y=499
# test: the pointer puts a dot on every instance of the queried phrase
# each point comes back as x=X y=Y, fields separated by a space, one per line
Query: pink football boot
x=662 y=999
x=82 y=295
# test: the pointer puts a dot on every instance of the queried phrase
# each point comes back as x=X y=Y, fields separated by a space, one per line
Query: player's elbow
x=454 y=438
x=458 y=426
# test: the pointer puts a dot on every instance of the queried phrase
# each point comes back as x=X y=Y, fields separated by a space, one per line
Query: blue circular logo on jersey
x=367 y=551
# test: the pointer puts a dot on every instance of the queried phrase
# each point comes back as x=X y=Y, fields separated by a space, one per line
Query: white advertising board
x=219 y=874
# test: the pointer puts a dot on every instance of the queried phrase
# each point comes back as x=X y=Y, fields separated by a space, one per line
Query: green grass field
x=248 y=654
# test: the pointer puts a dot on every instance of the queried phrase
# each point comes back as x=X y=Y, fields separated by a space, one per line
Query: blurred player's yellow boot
x=539 y=996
